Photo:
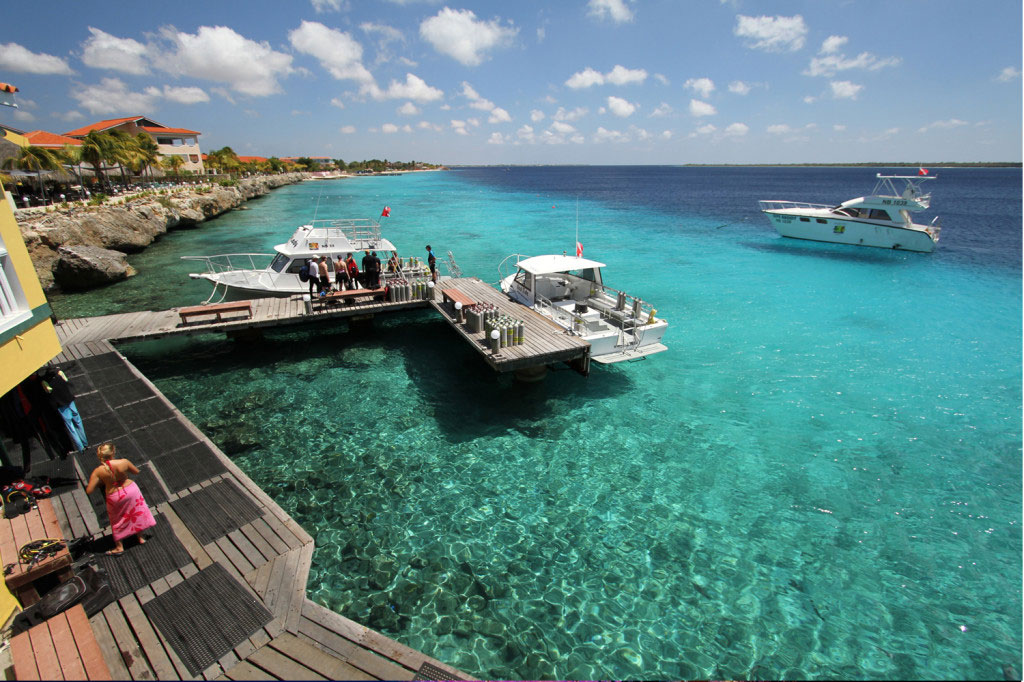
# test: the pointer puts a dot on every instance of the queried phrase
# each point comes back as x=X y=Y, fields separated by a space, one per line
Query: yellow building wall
x=33 y=343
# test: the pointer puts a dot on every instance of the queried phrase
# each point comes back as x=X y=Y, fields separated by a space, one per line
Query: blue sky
x=573 y=81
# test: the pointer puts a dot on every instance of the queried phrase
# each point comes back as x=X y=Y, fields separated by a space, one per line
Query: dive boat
x=569 y=291
x=248 y=275
x=880 y=219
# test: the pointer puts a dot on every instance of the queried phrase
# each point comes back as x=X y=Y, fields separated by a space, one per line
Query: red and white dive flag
x=579 y=250
x=922 y=171
x=386 y=213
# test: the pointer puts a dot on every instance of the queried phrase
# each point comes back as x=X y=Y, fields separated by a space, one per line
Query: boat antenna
x=317 y=207
x=575 y=246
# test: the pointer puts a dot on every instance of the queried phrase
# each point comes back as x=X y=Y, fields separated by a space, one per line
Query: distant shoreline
x=893 y=164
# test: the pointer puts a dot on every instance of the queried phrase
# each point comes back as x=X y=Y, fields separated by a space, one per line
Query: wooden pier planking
x=544 y=342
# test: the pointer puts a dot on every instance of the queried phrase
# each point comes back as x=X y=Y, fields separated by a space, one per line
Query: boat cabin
x=556 y=278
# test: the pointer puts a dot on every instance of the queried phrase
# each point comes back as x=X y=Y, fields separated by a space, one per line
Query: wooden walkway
x=269 y=556
x=266 y=312
x=544 y=341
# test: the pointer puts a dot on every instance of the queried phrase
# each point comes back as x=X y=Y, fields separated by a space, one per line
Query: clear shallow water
x=821 y=478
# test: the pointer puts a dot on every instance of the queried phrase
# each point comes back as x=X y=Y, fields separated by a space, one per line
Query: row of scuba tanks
x=484 y=317
x=406 y=290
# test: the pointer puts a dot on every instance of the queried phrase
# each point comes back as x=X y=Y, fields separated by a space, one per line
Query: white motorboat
x=569 y=291
x=247 y=275
x=880 y=219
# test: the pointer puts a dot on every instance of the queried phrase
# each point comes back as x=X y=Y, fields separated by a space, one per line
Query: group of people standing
x=347 y=274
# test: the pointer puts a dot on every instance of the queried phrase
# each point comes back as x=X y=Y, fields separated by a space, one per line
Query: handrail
x=783 y=204
x=223 y=262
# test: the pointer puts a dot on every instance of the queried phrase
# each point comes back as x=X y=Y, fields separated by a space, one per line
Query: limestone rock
x=85 y=267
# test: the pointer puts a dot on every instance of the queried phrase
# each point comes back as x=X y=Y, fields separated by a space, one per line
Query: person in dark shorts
x=432 y=262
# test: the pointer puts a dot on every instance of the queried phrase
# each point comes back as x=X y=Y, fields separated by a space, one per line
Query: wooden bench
x=36 y=524
x=62 y=648
x=217 y=309
x=349 y=296
x=454 y=296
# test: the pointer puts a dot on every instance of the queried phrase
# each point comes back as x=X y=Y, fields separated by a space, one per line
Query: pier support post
x=530 y=375
x=250 y=335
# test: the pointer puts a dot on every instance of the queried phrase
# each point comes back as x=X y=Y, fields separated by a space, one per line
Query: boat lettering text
x=894 y=202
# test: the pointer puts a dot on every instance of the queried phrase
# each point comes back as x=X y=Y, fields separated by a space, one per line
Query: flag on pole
x=579 y=249
x=386 y=213
x=922 y=171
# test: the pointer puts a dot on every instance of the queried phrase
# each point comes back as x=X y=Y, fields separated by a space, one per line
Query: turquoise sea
x=820 y=479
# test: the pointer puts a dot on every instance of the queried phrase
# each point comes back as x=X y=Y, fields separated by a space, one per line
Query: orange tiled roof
x=41 y=138
x=101 y=125
x=7 y=87
x=165 y=129
x=252 y=159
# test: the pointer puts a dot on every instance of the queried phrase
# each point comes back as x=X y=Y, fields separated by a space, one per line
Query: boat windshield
x=589 y=274
x=280 y=260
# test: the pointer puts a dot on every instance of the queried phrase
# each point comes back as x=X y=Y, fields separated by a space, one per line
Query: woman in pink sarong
x=126 y=507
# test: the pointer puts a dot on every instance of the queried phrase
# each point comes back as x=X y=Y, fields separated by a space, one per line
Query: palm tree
x=39 y=159
x=94 y=149
x=173 y=162
x=148 y=153
x=122 y=151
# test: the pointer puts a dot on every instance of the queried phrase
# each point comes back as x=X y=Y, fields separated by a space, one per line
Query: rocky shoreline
x=86 y=246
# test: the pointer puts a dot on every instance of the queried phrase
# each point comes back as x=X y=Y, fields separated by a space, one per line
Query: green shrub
x=228 y=183
x=98 y=199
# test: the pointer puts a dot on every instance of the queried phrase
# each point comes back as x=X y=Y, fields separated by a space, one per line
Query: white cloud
x=384 y=36
x=779 y=129
x=536 y=115
x=414 y=88
x=408 y=109
x=496 y=138
x=739 y=88
x=663 y=110
x=464 y=38
x=619 y=75
x=943 y=125
x=427 y=125
x=620 y=107
x=321 y=6
x=660 y=78
x=219 y=54
x=615 y=10
x=570 y=115
x=562 y=128
x=459 y=127
x=525 y=133
x=736 y=130
x=499 y=115
x=71 y=116
x=336 y=102
x=666 y=134
x=585 y=78
x=14 y=57
x=829 y=61
x=104 y=51
x=185 y=94
x=702 y=86
x=810 y=99
x=389 y=128
x=1008 y=74
x=698 y=108
x=772 y=34
x=339 y=54
x=111 y=95
x=707 y=129
x=603 y=135
x=839 y=128
x=832 y=44
x=845 y=89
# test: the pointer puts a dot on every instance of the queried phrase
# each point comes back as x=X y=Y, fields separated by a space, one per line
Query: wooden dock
x=544 y=342
x=266 y=312
x=263 y=554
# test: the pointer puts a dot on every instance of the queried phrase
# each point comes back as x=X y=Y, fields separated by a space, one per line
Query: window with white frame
x=12 y=300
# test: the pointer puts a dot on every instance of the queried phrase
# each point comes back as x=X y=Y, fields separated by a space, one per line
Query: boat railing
x=352 y=229
x=559 y=315
x=783 y=205
x=233 y=262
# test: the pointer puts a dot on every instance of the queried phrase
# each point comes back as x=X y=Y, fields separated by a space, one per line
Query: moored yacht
x=247 y=275
x=881 y=218
x=569 y=291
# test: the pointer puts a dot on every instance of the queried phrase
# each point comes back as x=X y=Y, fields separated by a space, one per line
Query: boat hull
x=852 y=232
